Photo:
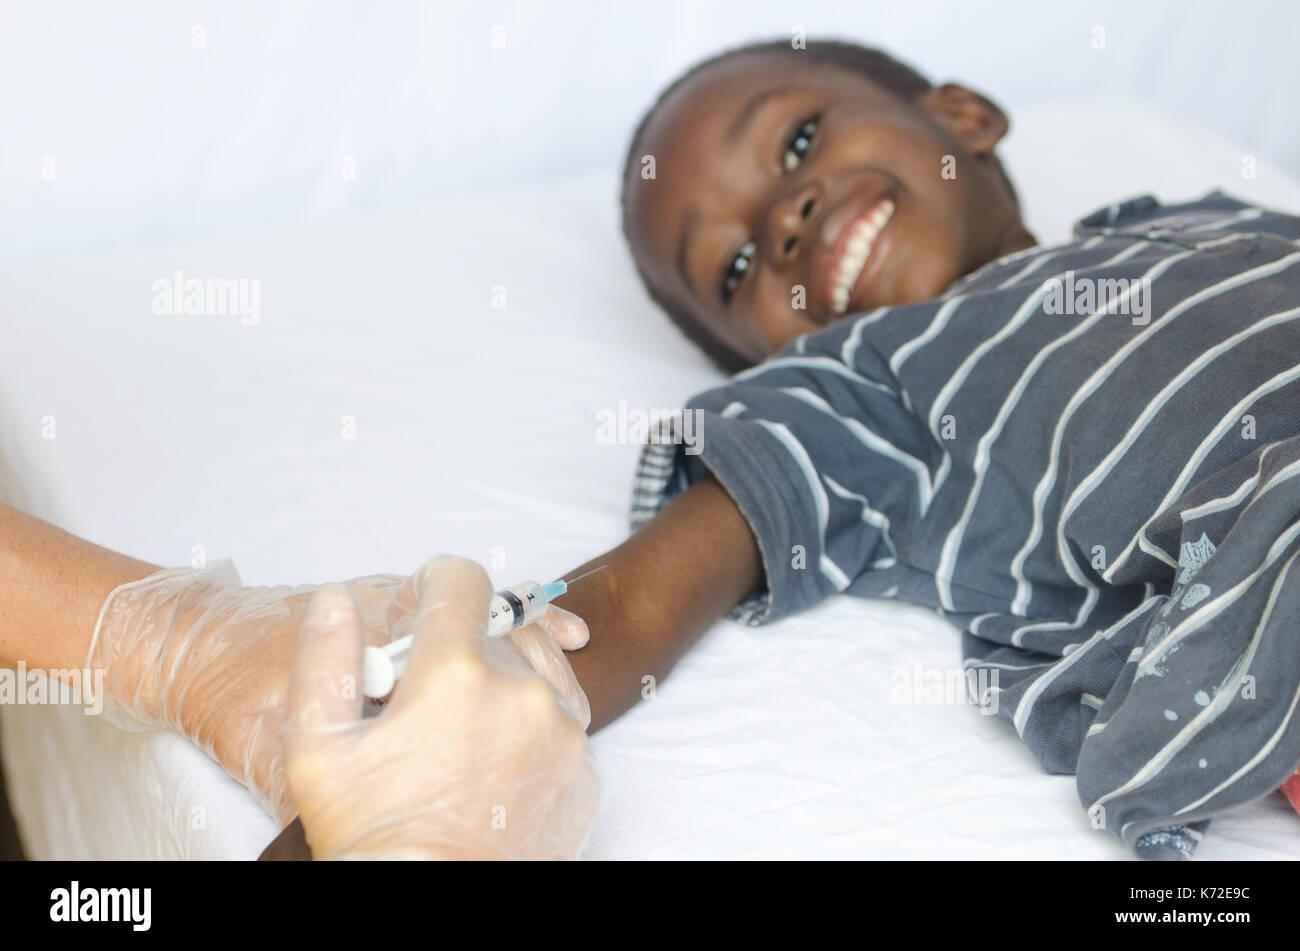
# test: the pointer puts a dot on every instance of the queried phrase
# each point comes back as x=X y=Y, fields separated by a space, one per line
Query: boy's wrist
x=289 y=846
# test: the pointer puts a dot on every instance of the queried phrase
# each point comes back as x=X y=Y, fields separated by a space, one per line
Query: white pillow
x=1070 y=158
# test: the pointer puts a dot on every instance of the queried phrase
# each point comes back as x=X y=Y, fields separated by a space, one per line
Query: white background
x=156 y=142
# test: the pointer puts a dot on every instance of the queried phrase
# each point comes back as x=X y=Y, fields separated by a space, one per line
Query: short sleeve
x=820 y=461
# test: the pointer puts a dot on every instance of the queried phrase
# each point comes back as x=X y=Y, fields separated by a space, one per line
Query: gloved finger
x=566 y=628
x=375 y=595
x=451 y=598
x=546 y=657
x=325 y=677
x=404 y=604
x=402 y=609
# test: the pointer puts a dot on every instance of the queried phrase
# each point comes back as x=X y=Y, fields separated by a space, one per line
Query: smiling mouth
x=853 y=252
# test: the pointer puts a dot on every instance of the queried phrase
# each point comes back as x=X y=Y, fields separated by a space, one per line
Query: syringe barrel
x=511 y=608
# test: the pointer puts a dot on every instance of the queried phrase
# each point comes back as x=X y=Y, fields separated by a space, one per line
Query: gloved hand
x=542 y=644
x=474 y=755
x=194 y=651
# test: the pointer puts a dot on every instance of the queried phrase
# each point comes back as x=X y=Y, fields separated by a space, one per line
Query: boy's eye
x=736 y=269
x=799 y=144
x=795 y=150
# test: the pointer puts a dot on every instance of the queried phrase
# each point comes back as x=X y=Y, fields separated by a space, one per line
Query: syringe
x=509 y=610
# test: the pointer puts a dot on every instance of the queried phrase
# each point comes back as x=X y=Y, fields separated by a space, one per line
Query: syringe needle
x=585 y=574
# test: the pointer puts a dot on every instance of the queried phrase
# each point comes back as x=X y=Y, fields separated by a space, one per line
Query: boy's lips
x=858 y=238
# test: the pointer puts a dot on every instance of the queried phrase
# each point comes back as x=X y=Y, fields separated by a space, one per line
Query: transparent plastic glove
x=194 y=651
x=543 y=644
x=473 y=757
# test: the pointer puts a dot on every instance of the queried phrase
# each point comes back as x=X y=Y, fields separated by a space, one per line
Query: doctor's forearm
x=52 y=585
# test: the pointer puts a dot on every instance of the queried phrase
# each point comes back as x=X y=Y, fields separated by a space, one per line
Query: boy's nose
x=788 y=222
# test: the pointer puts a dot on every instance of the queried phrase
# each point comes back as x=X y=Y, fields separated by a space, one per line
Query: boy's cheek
x=777 y=324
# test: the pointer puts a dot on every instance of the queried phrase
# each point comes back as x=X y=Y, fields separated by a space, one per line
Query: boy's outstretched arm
x=665 y=586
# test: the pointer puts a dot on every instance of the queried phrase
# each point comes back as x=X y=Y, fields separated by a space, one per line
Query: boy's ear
x=976 y=121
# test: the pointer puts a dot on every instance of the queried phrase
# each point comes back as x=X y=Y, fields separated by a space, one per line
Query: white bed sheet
x=177 y=435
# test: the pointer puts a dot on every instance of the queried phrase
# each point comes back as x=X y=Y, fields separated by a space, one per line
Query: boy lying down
x=1086 y=457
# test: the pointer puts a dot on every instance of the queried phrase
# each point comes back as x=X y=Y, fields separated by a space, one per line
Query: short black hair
x=878 y=66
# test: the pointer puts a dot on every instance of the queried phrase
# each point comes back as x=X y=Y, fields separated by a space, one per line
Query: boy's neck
x=1015 y=237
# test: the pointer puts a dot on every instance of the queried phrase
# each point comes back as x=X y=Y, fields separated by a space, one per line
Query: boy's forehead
x=707 y=103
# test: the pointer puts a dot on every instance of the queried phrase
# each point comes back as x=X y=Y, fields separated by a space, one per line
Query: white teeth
x=856 y=251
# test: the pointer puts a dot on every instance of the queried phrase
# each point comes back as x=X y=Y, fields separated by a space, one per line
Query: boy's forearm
x=666 y=585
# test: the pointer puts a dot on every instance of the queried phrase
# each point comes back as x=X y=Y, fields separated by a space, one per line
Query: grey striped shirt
x=1086 y=458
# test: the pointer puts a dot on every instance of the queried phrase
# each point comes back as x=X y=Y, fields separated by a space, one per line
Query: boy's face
x=787 y=195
